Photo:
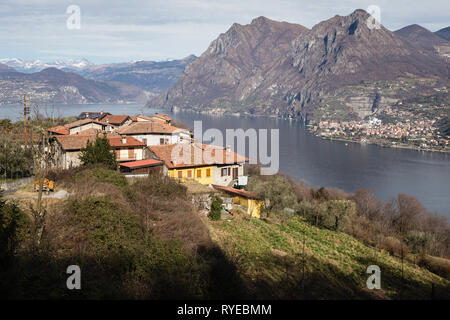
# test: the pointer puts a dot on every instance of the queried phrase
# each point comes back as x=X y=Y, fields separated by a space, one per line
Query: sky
x=127 y=30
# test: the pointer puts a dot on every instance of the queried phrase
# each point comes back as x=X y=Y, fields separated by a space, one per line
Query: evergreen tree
x=99 y=152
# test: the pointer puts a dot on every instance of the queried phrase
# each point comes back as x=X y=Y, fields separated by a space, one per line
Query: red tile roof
x=65 y=129
x=143 y=127
x=239 y=192
x=164 y=117
x=116 y=142
x=59 y=130
x=78 y=141
x=74 y=142
x=141 y=116
x=115 y=119
x=141 y=163
x=81 y=122
x=195 y=155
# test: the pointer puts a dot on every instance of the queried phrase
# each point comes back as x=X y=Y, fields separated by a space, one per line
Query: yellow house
x=244 y=198
x=202 y=174
x=205 y=164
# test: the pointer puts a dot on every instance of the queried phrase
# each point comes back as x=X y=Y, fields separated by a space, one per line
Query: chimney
x=228 y=148
x=124 y=140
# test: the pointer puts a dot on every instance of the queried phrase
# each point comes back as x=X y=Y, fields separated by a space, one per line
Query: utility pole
x=26 y=112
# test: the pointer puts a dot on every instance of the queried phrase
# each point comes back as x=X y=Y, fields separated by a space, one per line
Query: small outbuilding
x=142 y=167
x=247 y=199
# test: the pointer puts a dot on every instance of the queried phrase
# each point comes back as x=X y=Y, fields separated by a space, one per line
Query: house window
x=208 y=172
x=224 y=172
x=229 y=171
x=180 y=174
x=144 y=140
x=163 y=141
x=199 y=173
x=130 y=153
x=189 y=173
x=235 y=173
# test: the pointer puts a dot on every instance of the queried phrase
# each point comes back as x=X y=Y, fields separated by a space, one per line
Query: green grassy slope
x=295 y=260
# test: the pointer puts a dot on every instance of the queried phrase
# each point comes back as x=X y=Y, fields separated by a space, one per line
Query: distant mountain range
x=38 y=65
x=79 y=81
x=53 y=86
x=444 y=33
x=426 y=39
x=284 y=69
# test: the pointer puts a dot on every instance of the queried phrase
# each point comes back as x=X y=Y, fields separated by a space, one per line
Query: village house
x=155 y=133
x=141 y=168
x=94 y=115
x=114 y=122
x=164 y=118
x=249 y=200
x=66 y=148
x=127 y=148
x=205 y=164
x=143 y=118
x=77 y=126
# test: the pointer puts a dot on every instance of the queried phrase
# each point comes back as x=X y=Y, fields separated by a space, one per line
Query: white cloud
x=157 y=29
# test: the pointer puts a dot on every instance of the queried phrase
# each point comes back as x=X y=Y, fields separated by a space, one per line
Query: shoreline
x=385 y=145
x=394 y=146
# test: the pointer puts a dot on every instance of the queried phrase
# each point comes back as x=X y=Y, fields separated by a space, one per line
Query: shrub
x=333 y=214
x=99 y=152
x=419 y=241
x=276 y=191
x=105 y=175
x=216 y=208
x=341 y=212
x=13 y=223
x=394 y=246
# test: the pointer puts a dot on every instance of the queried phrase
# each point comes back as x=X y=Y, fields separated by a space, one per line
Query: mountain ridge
x=311 y=66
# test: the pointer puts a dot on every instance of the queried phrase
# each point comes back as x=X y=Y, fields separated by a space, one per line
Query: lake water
x=349 y=166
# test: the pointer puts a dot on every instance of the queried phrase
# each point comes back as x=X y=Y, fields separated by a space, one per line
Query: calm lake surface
x=349 y=166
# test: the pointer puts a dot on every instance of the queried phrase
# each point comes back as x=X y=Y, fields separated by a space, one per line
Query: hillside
x=340 y=63
x=294 y=260
x=135 y=240
x=425 y=39
x=52 y=85
x=444 y=33
x=237 y=68
x=151 y=76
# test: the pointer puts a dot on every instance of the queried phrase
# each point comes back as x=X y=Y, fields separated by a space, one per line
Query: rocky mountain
x=38 y=65
x=235 y=68
x=270 y=67
x=52 y=85
x=444 y=33
x=425 y=39
x=153 y=77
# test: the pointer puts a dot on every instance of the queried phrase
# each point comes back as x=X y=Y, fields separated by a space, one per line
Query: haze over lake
x=349 y=166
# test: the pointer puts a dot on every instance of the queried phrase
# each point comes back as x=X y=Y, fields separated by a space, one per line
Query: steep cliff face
x=344 y=51
x=237 y=68
x=278 y=68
